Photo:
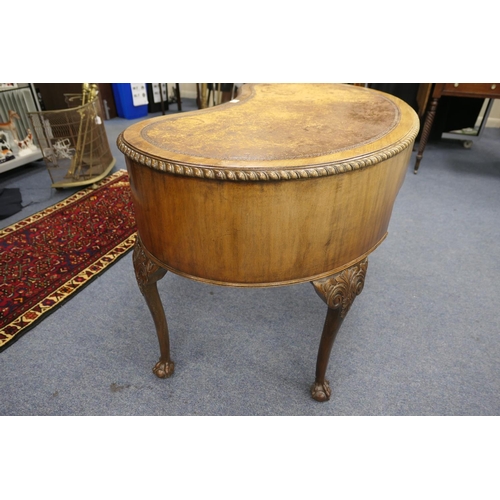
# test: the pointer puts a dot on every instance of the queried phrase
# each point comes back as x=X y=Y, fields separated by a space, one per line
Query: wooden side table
x=284 y=184
x=481 y=90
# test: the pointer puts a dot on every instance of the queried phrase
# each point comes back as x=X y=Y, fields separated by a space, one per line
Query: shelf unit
x=22 y=99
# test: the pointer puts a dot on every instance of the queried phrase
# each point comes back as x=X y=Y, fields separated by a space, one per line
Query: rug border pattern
x=49 y=303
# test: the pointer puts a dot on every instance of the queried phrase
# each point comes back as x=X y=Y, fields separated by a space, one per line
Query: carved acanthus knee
x=340 y=290
x=146 y=271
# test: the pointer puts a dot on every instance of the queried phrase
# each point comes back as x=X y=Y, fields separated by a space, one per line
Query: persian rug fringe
x=48 y=257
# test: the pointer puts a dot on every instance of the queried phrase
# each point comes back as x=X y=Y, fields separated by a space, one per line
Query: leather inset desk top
x=267 y=130
x=286 y=130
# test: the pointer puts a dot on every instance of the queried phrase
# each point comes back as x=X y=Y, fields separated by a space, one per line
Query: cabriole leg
x=147 y=274
x=338 y=292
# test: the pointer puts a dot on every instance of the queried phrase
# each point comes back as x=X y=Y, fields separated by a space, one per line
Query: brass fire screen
x=73 y=141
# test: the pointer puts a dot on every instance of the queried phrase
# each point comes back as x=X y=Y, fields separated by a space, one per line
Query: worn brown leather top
x=276 y=129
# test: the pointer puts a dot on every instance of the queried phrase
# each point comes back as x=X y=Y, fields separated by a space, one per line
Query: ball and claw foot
x=164 y=369
x=321 y=391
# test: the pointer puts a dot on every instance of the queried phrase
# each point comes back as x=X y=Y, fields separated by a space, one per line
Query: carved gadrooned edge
x=146 y=271
x=340 y=290
x=268 y=174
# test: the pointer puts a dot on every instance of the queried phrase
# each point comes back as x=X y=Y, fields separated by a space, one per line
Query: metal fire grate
x=73 y=141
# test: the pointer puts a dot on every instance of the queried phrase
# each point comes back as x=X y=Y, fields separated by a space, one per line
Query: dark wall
x=52 y=96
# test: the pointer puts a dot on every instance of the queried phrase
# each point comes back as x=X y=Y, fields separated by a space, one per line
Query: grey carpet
x=422 y=338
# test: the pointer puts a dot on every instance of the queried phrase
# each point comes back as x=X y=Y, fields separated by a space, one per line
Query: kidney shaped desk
x=288 y=183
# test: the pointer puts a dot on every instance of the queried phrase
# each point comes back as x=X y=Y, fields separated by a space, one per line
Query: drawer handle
x=494 y=86
x=456 y=84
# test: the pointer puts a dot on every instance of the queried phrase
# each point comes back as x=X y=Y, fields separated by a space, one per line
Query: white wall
x=187 y=89
x=494 y=118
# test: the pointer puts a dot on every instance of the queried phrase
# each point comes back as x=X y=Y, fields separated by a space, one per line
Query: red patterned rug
x=49 y=256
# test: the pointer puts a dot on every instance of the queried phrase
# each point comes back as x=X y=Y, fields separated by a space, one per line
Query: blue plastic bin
x=124 y=103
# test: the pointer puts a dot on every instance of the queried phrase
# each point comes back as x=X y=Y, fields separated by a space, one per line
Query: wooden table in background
x=478 y=90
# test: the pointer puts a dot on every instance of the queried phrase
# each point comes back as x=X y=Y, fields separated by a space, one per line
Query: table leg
x=429 y=119
x=147 y=274
x=178 y=97
x=338 y=292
